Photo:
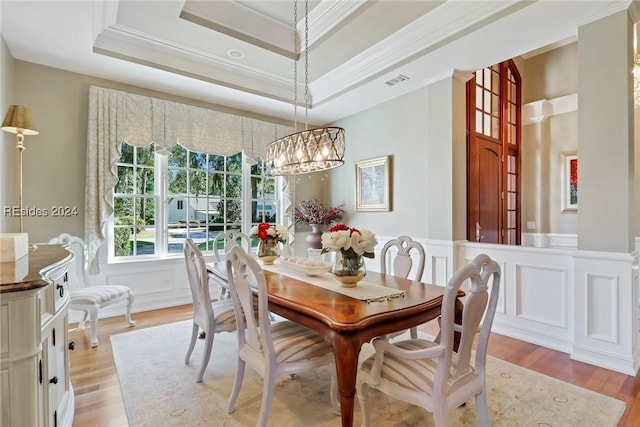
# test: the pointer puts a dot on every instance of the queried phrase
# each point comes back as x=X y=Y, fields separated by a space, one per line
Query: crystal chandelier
x=311 y=150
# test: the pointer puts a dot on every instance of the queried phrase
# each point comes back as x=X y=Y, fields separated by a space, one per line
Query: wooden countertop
x=28 y=272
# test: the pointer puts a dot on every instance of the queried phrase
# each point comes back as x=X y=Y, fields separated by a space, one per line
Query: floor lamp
x=19 y=121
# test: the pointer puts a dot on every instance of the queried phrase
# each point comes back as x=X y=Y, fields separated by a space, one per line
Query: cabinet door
x=57 y=379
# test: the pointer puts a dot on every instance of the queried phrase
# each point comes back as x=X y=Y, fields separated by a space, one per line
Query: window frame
x=161 y=197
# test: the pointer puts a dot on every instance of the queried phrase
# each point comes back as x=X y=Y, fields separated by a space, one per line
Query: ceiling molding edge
x=450 y=19
x=326 y=16
x=138 y=47
x=240 y=21
x=607 y=9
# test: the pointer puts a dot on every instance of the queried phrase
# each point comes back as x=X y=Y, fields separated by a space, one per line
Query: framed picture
x=569 y=182
x=373 y=184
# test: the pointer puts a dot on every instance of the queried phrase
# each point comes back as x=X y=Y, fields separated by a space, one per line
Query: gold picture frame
x=373 y=184
x=569 y=181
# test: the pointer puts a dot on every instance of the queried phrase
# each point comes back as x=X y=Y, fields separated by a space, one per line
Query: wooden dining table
x=348 y=322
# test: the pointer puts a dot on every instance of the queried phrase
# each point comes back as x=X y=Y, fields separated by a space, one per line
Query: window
x=161 y=200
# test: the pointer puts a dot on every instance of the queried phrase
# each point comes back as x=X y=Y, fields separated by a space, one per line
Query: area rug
x=158 y=389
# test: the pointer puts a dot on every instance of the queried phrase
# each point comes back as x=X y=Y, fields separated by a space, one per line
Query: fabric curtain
x=116 y=117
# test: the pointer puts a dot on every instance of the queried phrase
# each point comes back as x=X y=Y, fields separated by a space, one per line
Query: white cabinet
x=34 y=339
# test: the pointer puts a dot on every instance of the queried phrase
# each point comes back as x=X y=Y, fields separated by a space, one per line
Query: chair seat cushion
x=293 y=342
x=96 y=295
x=224 y=315
x=418 y=375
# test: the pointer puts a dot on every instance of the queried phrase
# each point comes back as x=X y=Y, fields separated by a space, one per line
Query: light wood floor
x=98 y=401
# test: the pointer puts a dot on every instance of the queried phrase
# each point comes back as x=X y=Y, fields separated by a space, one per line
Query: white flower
x=363 y=242
x=343 y=238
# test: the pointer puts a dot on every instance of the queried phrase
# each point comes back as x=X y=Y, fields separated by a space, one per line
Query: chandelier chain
x=309 y=150
x=295 y=66
x=306 y=65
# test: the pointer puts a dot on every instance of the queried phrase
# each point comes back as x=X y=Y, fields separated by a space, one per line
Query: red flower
x=262 y=230
x=338 y=227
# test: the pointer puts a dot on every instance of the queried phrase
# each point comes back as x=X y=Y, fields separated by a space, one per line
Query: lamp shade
x=19 y=121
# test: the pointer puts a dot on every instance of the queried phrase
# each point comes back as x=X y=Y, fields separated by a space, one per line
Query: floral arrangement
x=264 y=232
x=314 y=212
x=350 y=241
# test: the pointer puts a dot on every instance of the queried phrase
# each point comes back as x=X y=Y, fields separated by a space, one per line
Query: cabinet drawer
x=54 y=296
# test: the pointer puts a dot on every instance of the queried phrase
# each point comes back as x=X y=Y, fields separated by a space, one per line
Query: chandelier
x=311 y=150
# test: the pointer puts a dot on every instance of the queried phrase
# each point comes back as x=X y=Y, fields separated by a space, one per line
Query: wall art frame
x=569 y=181
x=373 y=185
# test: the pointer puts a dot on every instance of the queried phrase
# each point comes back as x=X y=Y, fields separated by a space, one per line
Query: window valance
x=142 y=120
x=116 y=116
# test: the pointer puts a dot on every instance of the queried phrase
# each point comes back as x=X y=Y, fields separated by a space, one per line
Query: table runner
x=365 y=291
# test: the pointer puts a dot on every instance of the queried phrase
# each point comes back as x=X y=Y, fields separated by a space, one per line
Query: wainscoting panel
x=606 y=311
x=156 y=281
x=541 y=294
x=439 y=267
x=602 y=306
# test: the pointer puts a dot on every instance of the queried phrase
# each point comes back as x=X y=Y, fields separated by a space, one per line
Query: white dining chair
x=210 y=317
x=396 y=259
x=430 y=374
x=227 y=240
x=90 y=299
x=271 y=349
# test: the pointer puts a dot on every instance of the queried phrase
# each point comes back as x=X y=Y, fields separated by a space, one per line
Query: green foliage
x=123 y=245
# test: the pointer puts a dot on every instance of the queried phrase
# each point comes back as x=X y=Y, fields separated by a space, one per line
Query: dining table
x=348 y=318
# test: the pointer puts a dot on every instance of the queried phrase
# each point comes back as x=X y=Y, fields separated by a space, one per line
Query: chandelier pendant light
x=310 y=150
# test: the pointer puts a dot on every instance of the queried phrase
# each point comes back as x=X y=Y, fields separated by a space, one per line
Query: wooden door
x=485 y=191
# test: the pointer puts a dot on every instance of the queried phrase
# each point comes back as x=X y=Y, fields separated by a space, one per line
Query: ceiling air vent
x=396 y=80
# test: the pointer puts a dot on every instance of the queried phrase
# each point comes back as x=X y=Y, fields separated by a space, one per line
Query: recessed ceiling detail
x=355 y=45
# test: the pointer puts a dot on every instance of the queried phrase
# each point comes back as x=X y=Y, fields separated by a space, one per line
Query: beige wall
x=8 y=152
x=397 y=128
x=54 y=160
x=550 y=76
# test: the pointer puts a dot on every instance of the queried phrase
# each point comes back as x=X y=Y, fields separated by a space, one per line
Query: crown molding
x=239 y=21
x=135 y=46
x=607 y=9
x=447 y=21
x=105 y=14
x=326 y=16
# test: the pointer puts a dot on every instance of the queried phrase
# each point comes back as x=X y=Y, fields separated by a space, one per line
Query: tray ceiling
x=238 y=53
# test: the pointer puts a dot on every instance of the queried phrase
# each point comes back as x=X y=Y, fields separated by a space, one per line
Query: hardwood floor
x=98 y=401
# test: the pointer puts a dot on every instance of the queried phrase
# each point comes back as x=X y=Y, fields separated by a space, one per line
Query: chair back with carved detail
x=272 y=349
x=430 y=374
x=400 y=251
x=227 y=240
x=86 y=298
